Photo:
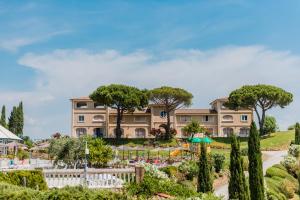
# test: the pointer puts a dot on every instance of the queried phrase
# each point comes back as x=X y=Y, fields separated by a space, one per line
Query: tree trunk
x=119 y=120
x=261 y=123
x=168 y=127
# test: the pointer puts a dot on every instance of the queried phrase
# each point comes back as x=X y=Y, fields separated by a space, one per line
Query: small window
x=244 y=118
x=81 y=105
x=163 y=114
x=185 y=118
x=98 y=118
x=140 y=118
x=81 y=118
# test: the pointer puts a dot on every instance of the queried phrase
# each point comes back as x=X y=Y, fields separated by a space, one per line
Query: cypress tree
x=256 y=179
x=3 y=117
x=238 y=188
x=13 y=120
x=204 y=175
x=20 y=120
x=297 y=133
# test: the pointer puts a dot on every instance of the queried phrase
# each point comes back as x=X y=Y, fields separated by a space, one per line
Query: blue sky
x=44 y=43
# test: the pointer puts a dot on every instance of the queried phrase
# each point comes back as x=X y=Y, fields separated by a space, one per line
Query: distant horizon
x=51 y=51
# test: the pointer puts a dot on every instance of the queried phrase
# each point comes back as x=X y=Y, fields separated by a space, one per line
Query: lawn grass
x=276 y=141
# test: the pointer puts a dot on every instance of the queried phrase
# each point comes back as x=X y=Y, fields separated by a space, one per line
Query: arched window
x=80 y=131
x=227 y=118
x=163 y=114
x=98 y=118
x=227 y=132
x=140 y=133
x=81 y=105
x=244 y=132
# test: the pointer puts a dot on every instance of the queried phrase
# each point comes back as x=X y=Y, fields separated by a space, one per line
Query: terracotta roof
x=195 y=111
x=146 y=111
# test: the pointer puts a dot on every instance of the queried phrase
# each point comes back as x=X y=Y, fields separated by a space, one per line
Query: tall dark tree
x=238 y=188
x=13 y=120
x=20 y=119
x=256 y=178
x=260 y=98
x=3 y=117
x=204 y=176
x=171 y=99
x=123 y=98
x=297 y=133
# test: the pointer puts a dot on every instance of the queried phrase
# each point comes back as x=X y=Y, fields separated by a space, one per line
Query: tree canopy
x=193 y=127
x=171 y=99
x=123 y=98
x=3 y=117
x=260 y=98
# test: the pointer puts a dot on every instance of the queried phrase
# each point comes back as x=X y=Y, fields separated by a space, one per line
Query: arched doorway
x=98 y=132
x=80 y=131
x=227 y=132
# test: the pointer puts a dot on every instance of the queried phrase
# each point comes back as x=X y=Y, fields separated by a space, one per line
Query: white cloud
x=14 y=44
x=207 y=74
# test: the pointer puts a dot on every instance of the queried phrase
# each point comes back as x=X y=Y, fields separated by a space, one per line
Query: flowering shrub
x=290 y=163
x=294 y=150
x=153 y=171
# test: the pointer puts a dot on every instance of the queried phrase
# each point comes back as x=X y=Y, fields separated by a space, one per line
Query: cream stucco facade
x=92 y=119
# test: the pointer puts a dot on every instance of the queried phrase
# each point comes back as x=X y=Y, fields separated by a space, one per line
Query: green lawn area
x=276 y=141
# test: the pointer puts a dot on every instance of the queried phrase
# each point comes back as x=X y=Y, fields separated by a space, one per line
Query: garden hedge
x=30 y=178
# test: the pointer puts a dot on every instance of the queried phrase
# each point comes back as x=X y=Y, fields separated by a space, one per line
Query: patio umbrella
x=207 y=140
x=195 y=140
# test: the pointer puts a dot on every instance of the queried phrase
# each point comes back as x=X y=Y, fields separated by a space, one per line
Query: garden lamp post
x=87 y=152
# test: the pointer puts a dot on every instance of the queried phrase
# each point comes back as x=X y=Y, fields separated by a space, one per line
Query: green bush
x=294 y=150
x=279 y=166
x=244 y=152
x=288 y=188
x=290 y=163
x=11 y=192
x=30 y=178
x=151 y=186
x=171 y=171
x=274 y=171
x=189 y=168
x=245 y=163
x=218 y=161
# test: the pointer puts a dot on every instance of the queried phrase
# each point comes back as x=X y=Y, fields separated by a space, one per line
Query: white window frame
x=185 y=118
x=244 y=120
x=81 y=121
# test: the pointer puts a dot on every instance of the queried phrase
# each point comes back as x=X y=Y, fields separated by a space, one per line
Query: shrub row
x=11 y=192
x=152 y=186
x=30 y=178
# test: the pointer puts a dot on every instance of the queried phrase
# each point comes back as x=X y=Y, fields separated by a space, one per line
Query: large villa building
x=90 y=118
